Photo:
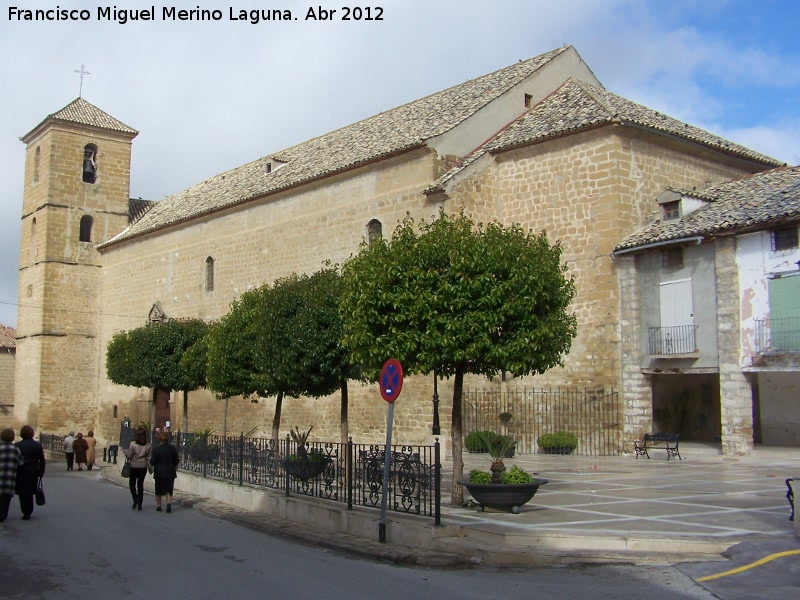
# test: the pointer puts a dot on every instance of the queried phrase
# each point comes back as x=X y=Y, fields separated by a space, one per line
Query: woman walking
x=139 y=454
x=29 y=473
x=10 y=461
x=81 y=447
x=164 y=460
x=90 y=452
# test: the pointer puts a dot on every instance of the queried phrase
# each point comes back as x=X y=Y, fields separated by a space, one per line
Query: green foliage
x=513 y=475
x=284 y=338
x=474 y=443
x=516 y=475
x=476 y=476
x=559 y=439
x=151 y=356
x=498 y=446
x=453 y=296
x=300 y=437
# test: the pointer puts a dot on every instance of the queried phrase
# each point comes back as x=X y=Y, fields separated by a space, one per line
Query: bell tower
x=76 y=196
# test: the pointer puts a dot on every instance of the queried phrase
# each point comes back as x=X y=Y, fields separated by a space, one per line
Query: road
x=87 y=542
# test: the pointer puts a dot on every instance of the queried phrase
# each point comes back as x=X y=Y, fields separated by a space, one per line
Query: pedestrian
x=164 y=460
x=10 y=461
x=30 y=472
x=80 y=446
x=69 y=451
x=138 y=453
x=90 y=452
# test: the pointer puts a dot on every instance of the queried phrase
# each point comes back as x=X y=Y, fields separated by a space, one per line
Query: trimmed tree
x=150 y=356
x=452 y=297
x=282 y=340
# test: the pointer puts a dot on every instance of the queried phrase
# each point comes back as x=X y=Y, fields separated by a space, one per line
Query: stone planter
x=502 y=497
x=558 y=449
x=305 y=469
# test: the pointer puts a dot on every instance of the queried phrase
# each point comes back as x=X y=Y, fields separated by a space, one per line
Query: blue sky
x=209 y=96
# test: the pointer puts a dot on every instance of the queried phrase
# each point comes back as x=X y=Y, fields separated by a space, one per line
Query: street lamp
x=436 y=429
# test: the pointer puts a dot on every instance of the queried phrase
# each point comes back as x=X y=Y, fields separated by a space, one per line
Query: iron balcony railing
x=778 y=335
x=680 y=339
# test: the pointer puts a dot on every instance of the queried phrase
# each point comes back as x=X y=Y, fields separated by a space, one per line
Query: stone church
x=540 y=143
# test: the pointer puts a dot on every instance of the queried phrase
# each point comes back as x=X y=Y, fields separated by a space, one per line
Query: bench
x=658 y=441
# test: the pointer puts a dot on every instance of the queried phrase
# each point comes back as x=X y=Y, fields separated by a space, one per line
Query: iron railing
x=777 y=335
x=594 y=416
x=348 y=473
x=680 y=339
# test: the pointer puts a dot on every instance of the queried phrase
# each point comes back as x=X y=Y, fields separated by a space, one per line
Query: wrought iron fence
x=347 y=473
x=594 y=416
x=778 y=335
x=52 y=442
x=680 y=339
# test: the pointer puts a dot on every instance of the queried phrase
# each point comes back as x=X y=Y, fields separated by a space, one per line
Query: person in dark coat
x=164 y=460
x=81 y=447
x=10 y=461
x=31 y=470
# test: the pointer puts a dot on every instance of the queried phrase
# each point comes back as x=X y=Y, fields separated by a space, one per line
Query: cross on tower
x=82 y=71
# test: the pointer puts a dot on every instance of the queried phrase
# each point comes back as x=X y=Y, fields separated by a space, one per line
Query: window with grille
x=784 y=239
x=672 y=210
x=672 y=258
x=209 y=274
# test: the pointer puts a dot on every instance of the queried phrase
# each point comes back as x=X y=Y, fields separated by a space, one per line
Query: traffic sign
x=391 y=380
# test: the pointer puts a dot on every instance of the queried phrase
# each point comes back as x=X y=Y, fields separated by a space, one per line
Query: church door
x=162 y=408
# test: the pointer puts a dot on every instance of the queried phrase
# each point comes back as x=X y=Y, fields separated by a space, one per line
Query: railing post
x=285 y=462
x=241 y=457
x=349 y=473
x=437 y=485
x=205 y=455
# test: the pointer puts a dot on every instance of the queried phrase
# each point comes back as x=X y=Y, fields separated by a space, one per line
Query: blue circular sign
x=391 y=380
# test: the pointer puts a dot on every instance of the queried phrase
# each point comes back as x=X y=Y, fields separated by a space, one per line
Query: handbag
x=126 y=468
x=39 y=493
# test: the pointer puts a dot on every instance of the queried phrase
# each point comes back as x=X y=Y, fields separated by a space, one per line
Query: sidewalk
x=594 y=509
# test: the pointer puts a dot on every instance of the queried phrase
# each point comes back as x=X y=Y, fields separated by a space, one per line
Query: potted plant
x=485 y=441
x=501 y=490
x=560 y=442
x=304 y=464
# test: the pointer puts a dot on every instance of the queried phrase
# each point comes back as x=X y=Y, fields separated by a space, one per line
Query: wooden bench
x=658 y=441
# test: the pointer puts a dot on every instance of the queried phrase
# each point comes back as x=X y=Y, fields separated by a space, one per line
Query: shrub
x=476 y=476
x=558 y=440
x=474 y=443
x=516 y=475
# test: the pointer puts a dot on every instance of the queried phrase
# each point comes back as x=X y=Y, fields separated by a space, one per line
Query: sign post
x=391 y=382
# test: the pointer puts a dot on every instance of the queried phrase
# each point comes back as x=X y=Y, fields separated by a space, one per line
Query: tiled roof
x=137 y=208
x=577 y=106
x=82 y=112
x=382 y=135
x=8 y=337
x=761 y=200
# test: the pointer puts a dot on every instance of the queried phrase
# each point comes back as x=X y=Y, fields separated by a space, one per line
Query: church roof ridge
x=385 y=134
x=82 y=112
x=578 y=106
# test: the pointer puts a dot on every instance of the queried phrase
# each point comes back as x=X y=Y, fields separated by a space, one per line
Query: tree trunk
x=153 y=409
x=343 y=429
x=276 y=420
x=185 y=411
x=457 y=493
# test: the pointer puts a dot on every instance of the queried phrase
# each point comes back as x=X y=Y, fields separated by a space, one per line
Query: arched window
x=209 y=274
x=86 y=228
x=36 y=158
x=374 y=230
x=89 y=163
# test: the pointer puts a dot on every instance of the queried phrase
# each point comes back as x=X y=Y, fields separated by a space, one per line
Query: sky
x=208 y=96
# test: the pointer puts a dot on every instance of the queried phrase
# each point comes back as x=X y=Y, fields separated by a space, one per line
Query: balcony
x=777 y=335
x=672 y=341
